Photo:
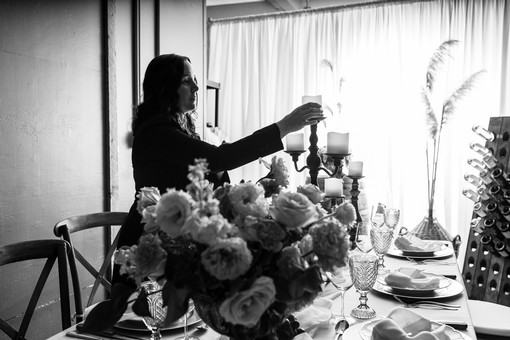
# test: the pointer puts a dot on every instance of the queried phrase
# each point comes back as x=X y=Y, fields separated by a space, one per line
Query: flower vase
x=430 y=229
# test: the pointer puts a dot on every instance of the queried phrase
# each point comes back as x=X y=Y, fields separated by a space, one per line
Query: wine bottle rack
x=486 y=272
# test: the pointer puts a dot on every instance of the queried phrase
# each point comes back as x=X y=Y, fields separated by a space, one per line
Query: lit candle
x=312 y=99
x=296 y=142
x=338 y=143
x=356 y=168
x=334 y=187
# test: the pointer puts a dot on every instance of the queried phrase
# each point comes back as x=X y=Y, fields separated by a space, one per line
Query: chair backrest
x=74 y=224
x=51 y=250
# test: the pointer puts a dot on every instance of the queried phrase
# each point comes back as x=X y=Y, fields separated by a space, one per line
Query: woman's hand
x=306 y=114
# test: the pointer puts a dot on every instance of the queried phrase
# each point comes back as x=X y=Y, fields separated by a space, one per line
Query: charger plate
x=366 y=329
x=137 y=324
x=453 y=289
x=444 y=252
x=443 y=283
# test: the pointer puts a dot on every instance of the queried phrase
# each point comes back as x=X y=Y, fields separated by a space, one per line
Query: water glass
x=377 y=215
x=342 y=281
x=363 y=268
x=391 y=217
x=381 y=241
x=362 y=240
x=158 y=313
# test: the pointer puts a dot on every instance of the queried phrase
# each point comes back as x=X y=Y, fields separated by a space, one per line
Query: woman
x=165 y=142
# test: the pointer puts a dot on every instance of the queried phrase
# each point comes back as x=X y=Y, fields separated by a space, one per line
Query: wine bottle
x=489 y=222
x=482 y=132
x=482 y=192
x=478 y=148
x=496 y=192
x=492 y=210
x=477 y=225
x=499 y=176
x=480 y=209
x=472 y=179
x=485 y=176
x=486 y=242
x=505 y=212
x=505 y=229
x=473 y=196
x=490 y=161
x=502 y=247
x=477 y=164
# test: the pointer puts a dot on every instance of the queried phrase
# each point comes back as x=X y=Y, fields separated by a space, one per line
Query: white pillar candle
x=312 y=99
x=296 y=142
x=355 y=168
x=338 y=143
x=334 y=187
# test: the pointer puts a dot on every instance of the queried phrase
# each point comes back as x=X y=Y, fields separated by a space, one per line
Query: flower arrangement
x=430 y=228
x=247 y=264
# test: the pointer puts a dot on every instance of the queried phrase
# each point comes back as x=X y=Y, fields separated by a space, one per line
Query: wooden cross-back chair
x=75 y=224
x=53 y=251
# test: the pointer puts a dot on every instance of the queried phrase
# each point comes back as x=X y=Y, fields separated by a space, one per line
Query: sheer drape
x=379 y=53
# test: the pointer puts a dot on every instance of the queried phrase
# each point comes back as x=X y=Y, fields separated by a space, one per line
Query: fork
x=428 y=304
x=430 y=261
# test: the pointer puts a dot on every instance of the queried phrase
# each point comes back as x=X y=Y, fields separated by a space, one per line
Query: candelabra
x=354 y=194
x=313 y=161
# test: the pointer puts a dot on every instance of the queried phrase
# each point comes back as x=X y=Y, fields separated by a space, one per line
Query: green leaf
x=176 y=300
x=141 y=305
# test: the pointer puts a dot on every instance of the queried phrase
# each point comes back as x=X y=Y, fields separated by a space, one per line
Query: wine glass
x=343 y=282
x=391 y=217
x=158 y=313
x=363 y=268
x=189 y=312
x=377 y=215
x=362 y=240
x=381 y=241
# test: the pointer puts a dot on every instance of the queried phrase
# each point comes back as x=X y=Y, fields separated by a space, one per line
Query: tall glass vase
x=430 y=229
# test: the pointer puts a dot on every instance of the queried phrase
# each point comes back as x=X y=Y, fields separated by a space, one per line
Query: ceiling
x=283 y=5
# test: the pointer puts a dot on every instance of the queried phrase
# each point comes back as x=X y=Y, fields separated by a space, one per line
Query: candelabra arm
x=299 y=170
x=354 y=195
x=330 y=174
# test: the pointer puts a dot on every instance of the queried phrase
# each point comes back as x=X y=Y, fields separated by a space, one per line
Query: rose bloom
x=172 y=210
x=197 y=172
x=150 y=257
x=149 y=218
x=330 y=244
x=227 y=259
x=267 y=232
x=206 y=229
x=311 y=191
x=290 y=262
x=345 y=213
x=292 y=209
x=246 y=307
x=248 y=199
x=147 y=196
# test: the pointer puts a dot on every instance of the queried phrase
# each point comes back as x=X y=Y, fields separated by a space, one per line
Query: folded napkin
x=315 y=314
x=413 y=243
x=403 y=324
x=411 y=278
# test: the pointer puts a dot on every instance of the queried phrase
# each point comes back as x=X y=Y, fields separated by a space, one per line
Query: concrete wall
x=58 y=154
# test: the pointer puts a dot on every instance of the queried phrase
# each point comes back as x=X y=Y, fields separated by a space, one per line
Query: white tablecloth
x=381 y=303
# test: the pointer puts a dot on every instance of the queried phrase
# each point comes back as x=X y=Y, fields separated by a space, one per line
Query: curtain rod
x=314 y=10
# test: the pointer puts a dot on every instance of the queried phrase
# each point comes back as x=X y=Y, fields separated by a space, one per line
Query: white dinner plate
x=444 y=252
x=489 y=318
x=366 y=329
x=453 y=289
x=137 y=324
x=443 y=283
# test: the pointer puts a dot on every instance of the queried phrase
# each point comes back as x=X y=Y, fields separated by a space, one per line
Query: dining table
x=380 y=298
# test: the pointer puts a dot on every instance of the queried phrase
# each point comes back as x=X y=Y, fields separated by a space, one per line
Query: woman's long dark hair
x=162 y=80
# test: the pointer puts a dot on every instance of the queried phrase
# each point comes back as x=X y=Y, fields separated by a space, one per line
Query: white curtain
x=379 y=53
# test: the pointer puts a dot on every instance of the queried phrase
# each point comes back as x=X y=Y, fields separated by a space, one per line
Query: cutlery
x=459 y=325
x=340 y=328
x=430 y=261
x=429 y=304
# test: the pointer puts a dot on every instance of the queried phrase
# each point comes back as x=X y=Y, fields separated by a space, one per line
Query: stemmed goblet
x=391 y=217
x=363 y=268
x=363 y=241
x=158 y=313
x=381 y=241
x=343 y=282
x=377 y=215
x=186 y=336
